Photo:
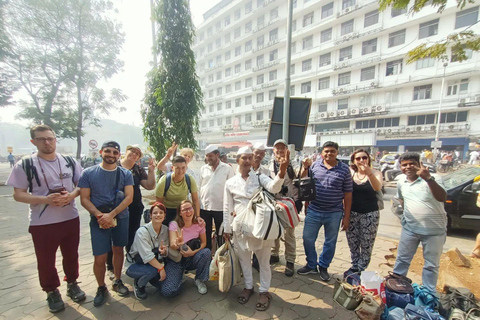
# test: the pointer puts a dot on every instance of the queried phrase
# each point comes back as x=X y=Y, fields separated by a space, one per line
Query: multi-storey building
x=351 y=60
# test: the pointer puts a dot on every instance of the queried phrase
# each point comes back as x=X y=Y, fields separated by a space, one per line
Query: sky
x=137 y=55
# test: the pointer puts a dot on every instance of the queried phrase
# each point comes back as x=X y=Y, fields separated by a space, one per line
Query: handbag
x=460 y=298
x=400 y=300
x=413 y=312
x=307 y=190
x=228 y=268
x=346 y=295
x=287 y=212
x=380 y=203
x=371 y=308
x=398 y=283
x=194 y=244
x=266 y=225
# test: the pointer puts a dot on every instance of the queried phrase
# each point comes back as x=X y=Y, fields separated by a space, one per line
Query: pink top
x=192 y=232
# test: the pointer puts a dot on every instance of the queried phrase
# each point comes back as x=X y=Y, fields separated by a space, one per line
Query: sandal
x=263 y=301
x=245 y=295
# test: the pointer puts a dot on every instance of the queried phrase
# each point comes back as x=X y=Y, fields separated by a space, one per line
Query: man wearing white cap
x=238 y=192
x=213 y=176
x=258 y=156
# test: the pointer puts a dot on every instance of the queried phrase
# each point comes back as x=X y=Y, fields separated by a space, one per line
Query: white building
x=350 y=59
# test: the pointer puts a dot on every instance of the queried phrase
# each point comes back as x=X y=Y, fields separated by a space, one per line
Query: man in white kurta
x=238 y=192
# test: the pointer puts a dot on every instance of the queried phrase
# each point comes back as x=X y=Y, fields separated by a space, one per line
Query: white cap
x=244 y=150
x=258 y=146
x=211 y=148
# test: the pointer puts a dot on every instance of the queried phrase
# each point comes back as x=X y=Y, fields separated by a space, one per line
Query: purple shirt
x=51 y=214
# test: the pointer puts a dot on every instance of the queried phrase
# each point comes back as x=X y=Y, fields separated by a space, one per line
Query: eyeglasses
x=135 y=152
x=361 y=158
x=187 y=209
x=43 y=140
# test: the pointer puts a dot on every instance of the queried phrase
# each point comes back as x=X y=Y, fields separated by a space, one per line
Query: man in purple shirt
x=331 y=208
x=53 y=214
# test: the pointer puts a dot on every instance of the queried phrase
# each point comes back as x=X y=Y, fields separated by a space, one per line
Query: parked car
x=462 y=188
x=389 y=158
x=86 y=162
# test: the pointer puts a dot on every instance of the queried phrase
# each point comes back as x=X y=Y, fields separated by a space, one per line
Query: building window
x=228 y=105
x=238 y=51
x=273 y=55
x=346 y=27
x=323 y=83
x=322 y=107
x=292 y=68
x=237 y=68
x=307 y=43
x=238 y=85
x=366 y=100
x=396 y=38
x=209 y=32
x=325 y=59
x=227 y=21
x=307 y=19
x=326 y=35
x=306 y=87
x=259 y=115
x=272 y=94
x=227 y=55
x=464 y=85
x=248 y=83
x=394 y=67
x=204 y=124
x=428 y=29
x=422 y=92
x=228 y=88
x=219 y=75
x=294 y=25
x=388 y=122
x=292 y=90
x=294 y=47
x=259 y=97
x=248 y=7
x=307 y=65
x=248 y=117
x=468 y=55
x=211 y=108
x=371 y=18
x=392 y=96
x=237 y=14
x=425 y=63
x=260 y=41
x=219 y=91
x=367 y=74
x=210 y=78
x=228 y=72
x=210 y=93
x=347 y=4
x=345 y=53
x=211 y=123
x=260 y=60
x=260 y=79
x=342 y=104
x=344 y=78
x=248 y=100
x=248 y=27
x=218 y=43
x=248 y=45
x=272 y=75
x=227 y=39
x=273 y=35
x=397 y=12
x=369 y=46
x=260 y=21
x=210 y=47
x=219 y=106
x=273 y=13
x=236 y=33
x=228 y=120
x=466 y=18
x=454 y=88
x=238 y=102
x=327 y=10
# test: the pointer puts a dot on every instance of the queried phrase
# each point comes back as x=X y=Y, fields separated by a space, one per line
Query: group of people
x=179 y=236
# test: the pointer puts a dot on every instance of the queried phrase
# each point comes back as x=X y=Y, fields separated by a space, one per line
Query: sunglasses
x=361 y=158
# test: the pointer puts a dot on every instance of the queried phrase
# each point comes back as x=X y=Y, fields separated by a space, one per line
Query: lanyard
x=43 y=172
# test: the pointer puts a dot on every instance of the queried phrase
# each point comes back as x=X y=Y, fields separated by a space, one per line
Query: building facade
x=350 y=59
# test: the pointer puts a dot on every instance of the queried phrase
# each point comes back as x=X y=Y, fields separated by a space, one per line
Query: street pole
x=440 y=110
x=286 y=98
x=154 y=44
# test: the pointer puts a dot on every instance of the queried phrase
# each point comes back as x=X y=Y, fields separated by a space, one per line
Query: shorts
x=102 y=239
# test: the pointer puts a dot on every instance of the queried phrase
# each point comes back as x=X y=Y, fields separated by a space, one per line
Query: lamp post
x=445 y=64
x=286 y=98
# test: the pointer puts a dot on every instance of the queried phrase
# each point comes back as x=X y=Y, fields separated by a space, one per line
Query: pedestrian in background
x=11 y=159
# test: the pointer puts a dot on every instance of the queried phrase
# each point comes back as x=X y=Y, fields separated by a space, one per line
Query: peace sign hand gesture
x=423 y=172
x=172 y=149
x=284 y=161
x=179 y=240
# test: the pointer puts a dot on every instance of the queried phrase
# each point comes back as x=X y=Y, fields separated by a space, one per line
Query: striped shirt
x=422 y=213
x=331 y=185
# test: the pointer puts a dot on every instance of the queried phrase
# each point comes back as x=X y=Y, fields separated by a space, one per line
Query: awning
x=237 y=144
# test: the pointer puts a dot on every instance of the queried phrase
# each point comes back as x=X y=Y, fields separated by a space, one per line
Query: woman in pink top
x=189 y=238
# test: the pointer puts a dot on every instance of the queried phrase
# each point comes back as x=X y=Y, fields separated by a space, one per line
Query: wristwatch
x=432 y=178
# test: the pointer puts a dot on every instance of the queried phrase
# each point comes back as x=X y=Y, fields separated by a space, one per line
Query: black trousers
x=209 y=217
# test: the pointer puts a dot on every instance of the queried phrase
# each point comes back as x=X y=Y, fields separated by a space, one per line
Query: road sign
x=10 y=149
x=92 y=144
x=436 y=144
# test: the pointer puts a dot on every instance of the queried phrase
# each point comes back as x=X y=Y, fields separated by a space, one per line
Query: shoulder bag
x=306 y=186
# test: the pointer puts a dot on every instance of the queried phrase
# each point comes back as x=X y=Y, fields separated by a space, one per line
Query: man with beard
x=212 y=180
x=424 y=219
x=106 y=191
x=46 y=181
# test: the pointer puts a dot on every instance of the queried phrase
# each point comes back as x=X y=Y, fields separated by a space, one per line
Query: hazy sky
x=135 y=16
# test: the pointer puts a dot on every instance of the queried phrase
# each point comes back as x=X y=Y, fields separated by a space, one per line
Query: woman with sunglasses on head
x=149 y=249
x=365 y=215
x=188 y=251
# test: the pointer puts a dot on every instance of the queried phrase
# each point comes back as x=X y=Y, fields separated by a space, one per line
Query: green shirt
x=176 y=193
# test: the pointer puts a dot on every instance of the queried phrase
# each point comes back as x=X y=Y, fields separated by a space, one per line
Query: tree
x=173 y=97
x=61 y=49
x=6 y=85
x=457 y=43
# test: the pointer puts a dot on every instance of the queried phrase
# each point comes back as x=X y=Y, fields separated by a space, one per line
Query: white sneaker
x=202 y=288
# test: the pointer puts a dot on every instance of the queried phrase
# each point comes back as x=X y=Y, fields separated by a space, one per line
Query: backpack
x=169 y=181
x=31 y=170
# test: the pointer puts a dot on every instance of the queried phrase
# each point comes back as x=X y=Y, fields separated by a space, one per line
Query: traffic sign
x=436 y=144
x=93 y=144
x=10 y=149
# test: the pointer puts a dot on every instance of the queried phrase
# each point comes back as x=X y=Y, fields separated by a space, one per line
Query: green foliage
x=420 y=4
x=173 y=97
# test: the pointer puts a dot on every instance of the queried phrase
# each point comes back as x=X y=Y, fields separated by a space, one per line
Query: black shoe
x=306 y=270
x=140 y=292
x=74 y=292
x=324 y=276
x=101 y=296
x=255 y=264
x=274 y=259
x=120 y=288
x=55 y=302
x=289 y=269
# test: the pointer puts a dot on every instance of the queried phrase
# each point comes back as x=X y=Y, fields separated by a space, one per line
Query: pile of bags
x=225 y=267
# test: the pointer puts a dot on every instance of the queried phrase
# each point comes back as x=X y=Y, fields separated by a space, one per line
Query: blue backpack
x=169 y=181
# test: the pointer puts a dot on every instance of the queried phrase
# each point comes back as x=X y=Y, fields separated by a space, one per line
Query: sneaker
x=101 y=296
x=306 y=270
x=140 y=292
x=274 y=259
x=289 y=268
x=55 y=302
x=202 y=288
x=120 y=288
x=324 y=276
x=74 y=292
x=111 y=275
x=255 y=264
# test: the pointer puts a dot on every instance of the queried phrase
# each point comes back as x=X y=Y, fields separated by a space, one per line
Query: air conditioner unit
x=252 y=123
x=380 y=109
x=340 y=90
x=360 y=130
x=323 y=115
x=418 y=128
x=379 y=131
x=263 y=122
x=342 y=113
x=407 y=130
x=324 y=64
x=332 y=114
x=347 y=10
x=451 y=127
x=433 y=128
x=354 y=111
x=366 y=109
x=374 y=84
x=334 y=91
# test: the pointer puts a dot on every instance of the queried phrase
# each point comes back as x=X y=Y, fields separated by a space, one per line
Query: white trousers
x=263 y=256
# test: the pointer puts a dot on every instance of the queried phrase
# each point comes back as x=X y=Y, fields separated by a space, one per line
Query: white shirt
x=292 y=190
x=262 y=170
x=474 y=155
x=212 y=185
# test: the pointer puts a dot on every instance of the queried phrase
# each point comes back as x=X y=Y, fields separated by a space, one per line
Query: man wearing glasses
x=106 y=190
x=47 y=182
x=331 y=208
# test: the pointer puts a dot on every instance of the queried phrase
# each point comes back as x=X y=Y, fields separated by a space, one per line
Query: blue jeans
x=143 y=273
x=313 y=222
x=432 y=250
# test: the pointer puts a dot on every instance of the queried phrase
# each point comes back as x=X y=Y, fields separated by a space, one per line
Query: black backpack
x=31 y=170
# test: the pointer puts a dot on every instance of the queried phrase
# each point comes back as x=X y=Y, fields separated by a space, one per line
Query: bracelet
x=158 y=270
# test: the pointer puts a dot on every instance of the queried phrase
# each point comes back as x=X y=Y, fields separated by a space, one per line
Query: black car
x=461 y=205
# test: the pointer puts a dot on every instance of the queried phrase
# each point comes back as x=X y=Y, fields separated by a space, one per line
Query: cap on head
x=111 y=144
x=210 y=148
x=244 y=150
x=282 y=142
x=135 y=146
x=259 y=146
